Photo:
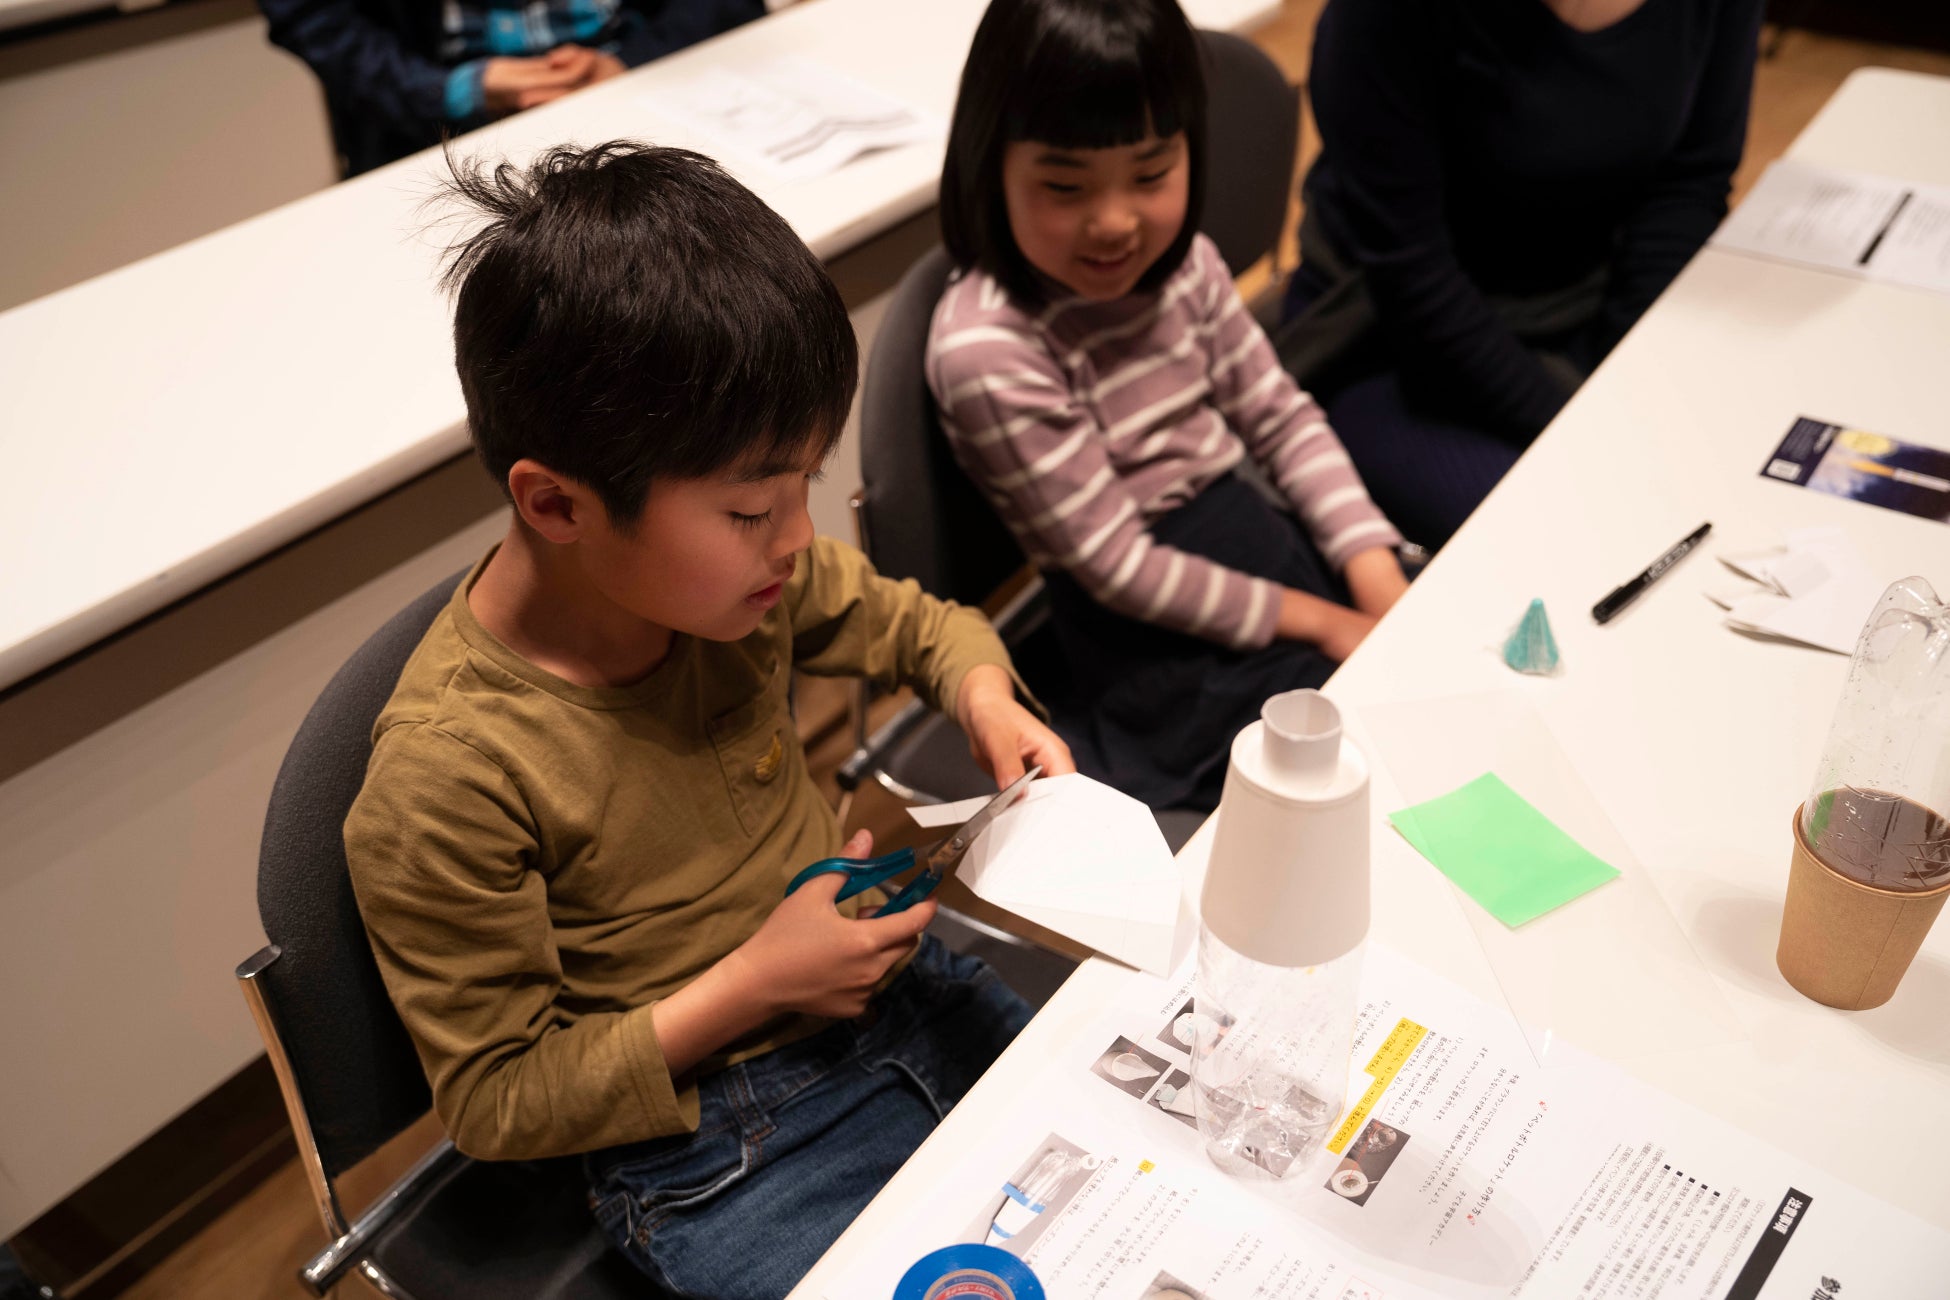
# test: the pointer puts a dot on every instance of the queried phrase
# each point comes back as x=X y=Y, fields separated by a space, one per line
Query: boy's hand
x=809 y=958
x=1006 y=738
x=1336 y=629
x=1375 y=580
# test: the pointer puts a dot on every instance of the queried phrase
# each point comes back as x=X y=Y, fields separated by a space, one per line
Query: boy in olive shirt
x=586 y=794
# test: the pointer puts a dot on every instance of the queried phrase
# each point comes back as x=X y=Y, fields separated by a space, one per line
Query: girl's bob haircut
x=1075 y=74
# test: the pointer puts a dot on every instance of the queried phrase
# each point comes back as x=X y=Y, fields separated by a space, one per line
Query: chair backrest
x=350 y=1056
x=1252 y=134
x=919 y=515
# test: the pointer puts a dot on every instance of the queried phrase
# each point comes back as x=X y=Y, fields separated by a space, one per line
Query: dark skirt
x=1152 y=711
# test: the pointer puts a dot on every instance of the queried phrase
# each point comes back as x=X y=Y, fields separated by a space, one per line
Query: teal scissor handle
x=862 y=874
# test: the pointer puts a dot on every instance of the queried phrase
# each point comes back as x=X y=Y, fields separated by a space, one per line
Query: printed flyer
x=1863 y=466
x=1460 y=1169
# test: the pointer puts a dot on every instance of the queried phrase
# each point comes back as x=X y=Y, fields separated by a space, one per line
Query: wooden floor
x=254 y=1250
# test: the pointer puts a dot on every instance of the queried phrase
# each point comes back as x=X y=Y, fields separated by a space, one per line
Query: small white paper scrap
x=1079 y=858
x=1815 y=589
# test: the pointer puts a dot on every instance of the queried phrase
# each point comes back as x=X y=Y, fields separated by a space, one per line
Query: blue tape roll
x=969 y=1272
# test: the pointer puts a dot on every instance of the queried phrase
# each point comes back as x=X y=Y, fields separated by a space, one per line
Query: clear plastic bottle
x=1879 y=812
x=1284 y=914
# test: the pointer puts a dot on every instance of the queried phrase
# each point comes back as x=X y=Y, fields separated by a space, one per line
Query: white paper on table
x=1816 y=589
x=788 y=118
x=1481 y=1178
x=1077 y=857
x=1875 y=227
x=1651 y=993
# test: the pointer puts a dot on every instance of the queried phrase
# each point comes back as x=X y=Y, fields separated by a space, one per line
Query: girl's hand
x=1375 y=580
x=1006 y=738
x=1336 y=629
x=809 y=958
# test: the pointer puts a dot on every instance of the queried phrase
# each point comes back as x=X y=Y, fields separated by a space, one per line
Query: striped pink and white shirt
x=1086 y=421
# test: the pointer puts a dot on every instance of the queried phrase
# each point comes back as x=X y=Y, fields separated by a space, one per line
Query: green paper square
x=1502 y=852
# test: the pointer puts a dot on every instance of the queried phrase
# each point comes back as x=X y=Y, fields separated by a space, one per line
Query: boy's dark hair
x=630 y=312
x=1076 y=74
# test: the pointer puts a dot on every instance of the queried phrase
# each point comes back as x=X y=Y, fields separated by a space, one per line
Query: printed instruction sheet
x=1871 y=226
x=1459 y=1170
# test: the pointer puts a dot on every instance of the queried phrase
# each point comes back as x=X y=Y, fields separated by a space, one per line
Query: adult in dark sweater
x=1505 y=186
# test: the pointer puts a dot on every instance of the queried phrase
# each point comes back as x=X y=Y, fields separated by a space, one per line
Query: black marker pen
x=1605 y=610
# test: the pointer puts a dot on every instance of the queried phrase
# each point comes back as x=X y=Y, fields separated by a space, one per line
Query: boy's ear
x=554 y=505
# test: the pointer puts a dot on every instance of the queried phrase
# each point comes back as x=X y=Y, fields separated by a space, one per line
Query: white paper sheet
x=1461 y=1171
x=1856 y=224
x=1077 y=857
x=1655 y=994
x=789 y=118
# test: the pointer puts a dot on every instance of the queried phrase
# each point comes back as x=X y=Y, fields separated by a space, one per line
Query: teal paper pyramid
x=1532 y=648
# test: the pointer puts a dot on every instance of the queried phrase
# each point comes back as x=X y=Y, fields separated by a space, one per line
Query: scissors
x=864 y=873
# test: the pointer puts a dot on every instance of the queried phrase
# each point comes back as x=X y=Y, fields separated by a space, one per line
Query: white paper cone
x=1288 y=880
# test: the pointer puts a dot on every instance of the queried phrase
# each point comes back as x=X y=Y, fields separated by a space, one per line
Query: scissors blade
x=943 y=857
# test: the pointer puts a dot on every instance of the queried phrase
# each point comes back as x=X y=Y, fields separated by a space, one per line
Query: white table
x=217 y=400
x=1698 y=742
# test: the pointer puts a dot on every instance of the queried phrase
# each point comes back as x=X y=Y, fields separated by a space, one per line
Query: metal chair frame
x=346 y=1253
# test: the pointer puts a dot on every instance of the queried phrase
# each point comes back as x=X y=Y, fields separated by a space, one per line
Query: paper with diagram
x=1461 y=1170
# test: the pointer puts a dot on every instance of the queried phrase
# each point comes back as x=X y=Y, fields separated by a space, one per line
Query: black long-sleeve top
x=1484 y=147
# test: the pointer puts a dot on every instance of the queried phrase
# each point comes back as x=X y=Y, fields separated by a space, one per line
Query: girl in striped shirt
x=1101 y=381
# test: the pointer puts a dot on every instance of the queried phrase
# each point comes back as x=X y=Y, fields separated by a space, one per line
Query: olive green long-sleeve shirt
x=538 y=863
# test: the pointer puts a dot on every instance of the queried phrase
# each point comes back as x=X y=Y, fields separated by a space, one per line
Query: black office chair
x=919 y=517
x=451 y=1227
x=1252 y=139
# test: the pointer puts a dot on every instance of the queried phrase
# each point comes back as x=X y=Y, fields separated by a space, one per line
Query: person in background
x=398 y=74
x=1504 y=188
x=1100 y=380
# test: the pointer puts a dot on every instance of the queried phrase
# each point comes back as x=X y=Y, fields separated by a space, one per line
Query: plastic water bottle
x=1284 y=915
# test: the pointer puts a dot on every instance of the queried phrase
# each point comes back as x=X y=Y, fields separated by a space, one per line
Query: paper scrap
x=933 y=815
x=1501 y=851
x=1079 y=858
x=1815 y=589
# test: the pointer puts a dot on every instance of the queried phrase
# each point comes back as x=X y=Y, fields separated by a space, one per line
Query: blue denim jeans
x=791 y=1146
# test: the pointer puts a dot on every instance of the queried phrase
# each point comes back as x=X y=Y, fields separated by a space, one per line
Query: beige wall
x=128 y=136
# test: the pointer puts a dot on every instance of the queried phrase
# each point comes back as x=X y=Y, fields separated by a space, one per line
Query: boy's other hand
x=1006 y=738
x=1375 y=580
x=809 y=958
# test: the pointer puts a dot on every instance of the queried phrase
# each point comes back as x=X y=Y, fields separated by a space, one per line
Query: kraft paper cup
x=1843 y=943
